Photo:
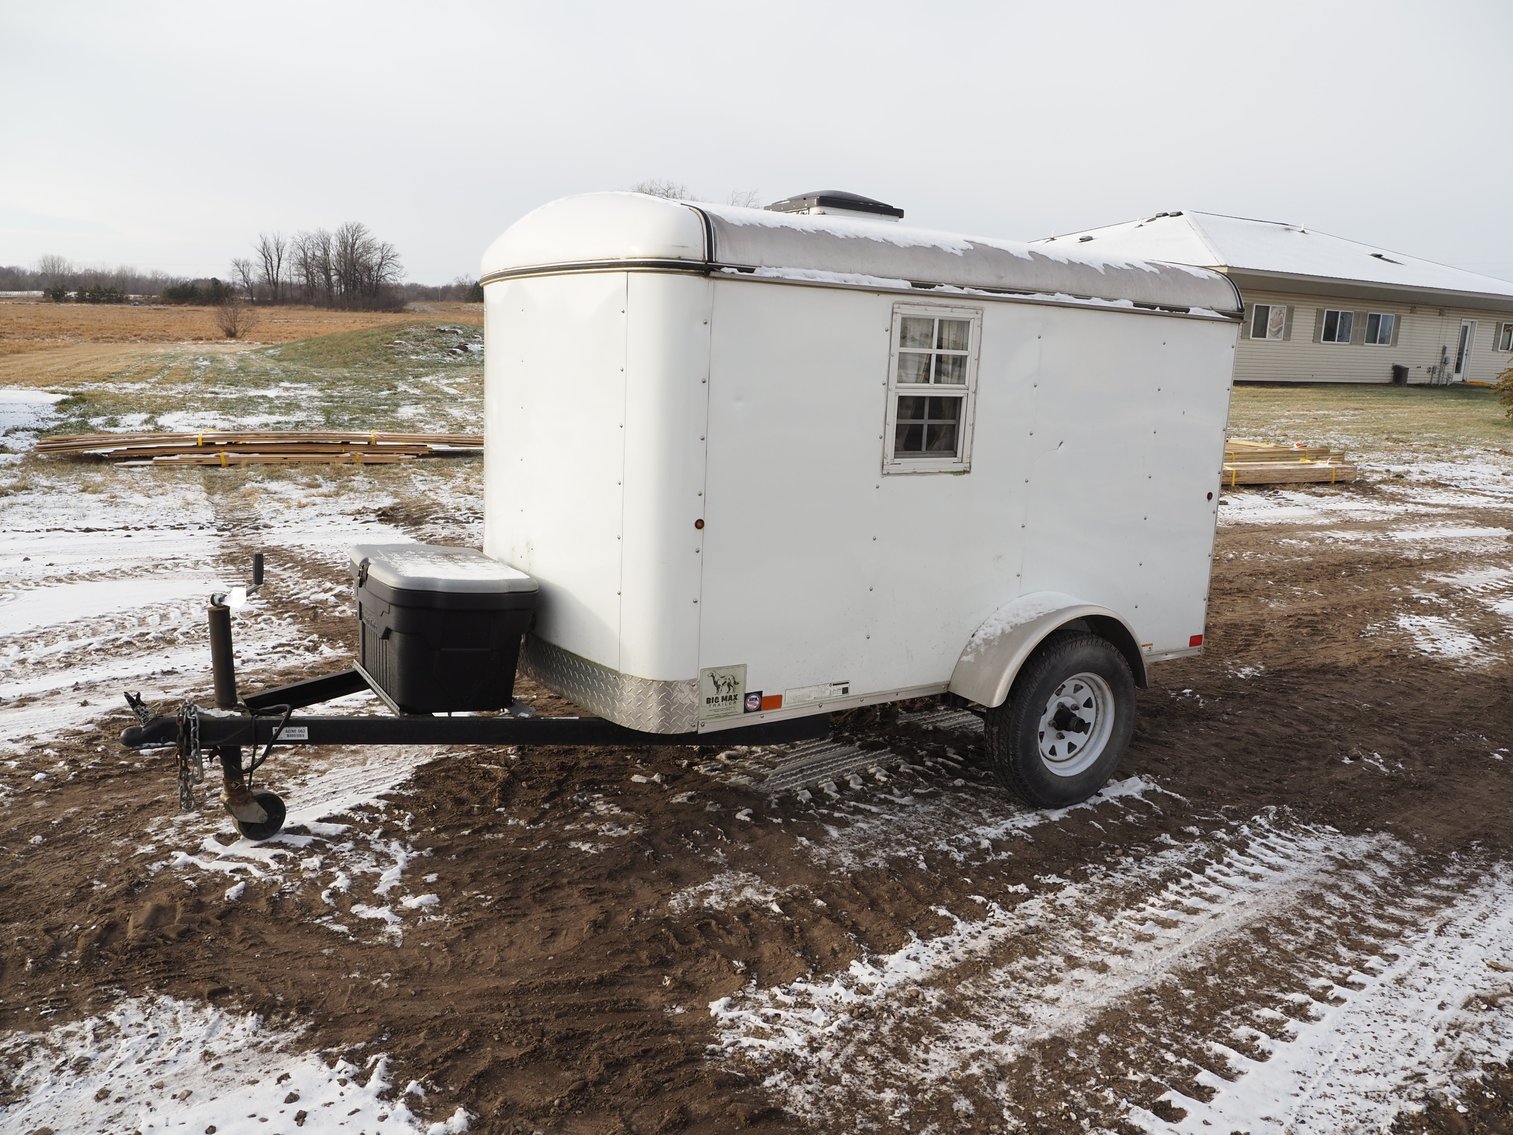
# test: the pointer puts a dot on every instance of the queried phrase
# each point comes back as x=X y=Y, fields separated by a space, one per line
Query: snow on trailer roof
x=1275 y=248
x=611 y=230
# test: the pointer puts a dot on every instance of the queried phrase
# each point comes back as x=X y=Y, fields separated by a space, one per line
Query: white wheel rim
x=1076 y=724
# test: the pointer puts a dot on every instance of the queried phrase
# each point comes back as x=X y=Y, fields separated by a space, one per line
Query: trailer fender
x=1004 y=642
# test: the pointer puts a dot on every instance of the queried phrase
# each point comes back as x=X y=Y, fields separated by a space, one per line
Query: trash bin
x=1399 y=375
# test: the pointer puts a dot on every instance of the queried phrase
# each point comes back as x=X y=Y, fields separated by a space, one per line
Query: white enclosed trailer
x=768 y=464
x=748 y=467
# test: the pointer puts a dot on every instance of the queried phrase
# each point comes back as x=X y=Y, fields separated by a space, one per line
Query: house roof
x=1262 y=252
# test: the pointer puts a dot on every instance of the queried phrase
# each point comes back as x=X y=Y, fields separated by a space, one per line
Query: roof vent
x=1384 y=256
x=837 y=203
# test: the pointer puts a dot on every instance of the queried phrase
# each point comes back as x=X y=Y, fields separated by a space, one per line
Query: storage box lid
x=432 y=567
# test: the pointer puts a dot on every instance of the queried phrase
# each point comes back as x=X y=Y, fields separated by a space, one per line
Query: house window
x=1268 y=321
x=932 y=380
x=1380 y=328
x=1505 y=337
x=1337 y=326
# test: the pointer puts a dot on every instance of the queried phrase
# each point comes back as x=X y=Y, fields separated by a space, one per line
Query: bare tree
x=348 y=268
x=244 y=274
x=364 y=265
x=57 y=275
x=271 y=251
x=677 y=191
x=315 y=268
x=662 y=187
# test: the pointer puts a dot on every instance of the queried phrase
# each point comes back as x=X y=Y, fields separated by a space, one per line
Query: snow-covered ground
x=938 y=1024
x=154 y=1065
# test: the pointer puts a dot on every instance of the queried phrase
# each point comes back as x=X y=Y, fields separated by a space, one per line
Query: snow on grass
x=157 y=1065
x=1438 y=498
x=25 y=410
x=1421 y=1022
x=1487 y=474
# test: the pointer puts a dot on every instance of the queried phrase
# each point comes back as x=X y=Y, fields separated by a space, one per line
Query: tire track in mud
x=1141 y=989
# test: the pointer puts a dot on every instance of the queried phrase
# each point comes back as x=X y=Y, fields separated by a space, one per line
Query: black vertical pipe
x=222 y=665
x=257 y=569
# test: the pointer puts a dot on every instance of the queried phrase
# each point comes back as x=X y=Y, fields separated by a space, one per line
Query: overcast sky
x=167 y=135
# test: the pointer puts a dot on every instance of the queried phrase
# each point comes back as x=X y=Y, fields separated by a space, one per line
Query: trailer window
x=931 y=383
x=1505 y=337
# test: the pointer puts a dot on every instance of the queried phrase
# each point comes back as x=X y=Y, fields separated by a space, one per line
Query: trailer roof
x=621 y=230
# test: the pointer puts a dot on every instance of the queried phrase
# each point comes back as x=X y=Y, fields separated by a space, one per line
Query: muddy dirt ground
x=1290 y=910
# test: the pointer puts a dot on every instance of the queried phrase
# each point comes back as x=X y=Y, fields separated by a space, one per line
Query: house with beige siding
x=1324 y=309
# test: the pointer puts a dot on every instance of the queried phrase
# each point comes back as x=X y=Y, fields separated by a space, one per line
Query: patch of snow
x=1421 y=1023
x=959 y=829
x=51 y=605
x=157 y=1064
x=727 y=890
x=1439 y=637
x=22 y=408
x=315 y=845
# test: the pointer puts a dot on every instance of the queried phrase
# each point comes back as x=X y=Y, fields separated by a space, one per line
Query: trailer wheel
x=271 y=803
x=1066 y=723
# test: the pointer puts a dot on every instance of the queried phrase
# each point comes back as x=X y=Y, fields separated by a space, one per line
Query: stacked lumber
x=259 y=447
x=1261 y=463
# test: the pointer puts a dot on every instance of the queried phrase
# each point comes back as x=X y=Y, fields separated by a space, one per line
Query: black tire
x=1081 y=682
x=274 y=806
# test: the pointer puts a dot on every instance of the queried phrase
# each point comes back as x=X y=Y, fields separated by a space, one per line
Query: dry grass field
x=42 y=343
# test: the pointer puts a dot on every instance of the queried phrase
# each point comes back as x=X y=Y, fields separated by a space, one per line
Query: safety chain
x=191 y=760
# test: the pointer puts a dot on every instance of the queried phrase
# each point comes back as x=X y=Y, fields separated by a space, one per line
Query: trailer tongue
x=746 y=468
x=432 y=650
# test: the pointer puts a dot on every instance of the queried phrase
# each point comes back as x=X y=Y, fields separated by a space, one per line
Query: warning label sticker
x=808 y=695
x=722 y=691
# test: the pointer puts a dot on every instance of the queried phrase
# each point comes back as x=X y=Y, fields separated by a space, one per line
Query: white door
x=1463 y=349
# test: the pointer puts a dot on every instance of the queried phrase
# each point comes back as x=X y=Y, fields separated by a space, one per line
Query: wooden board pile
x=1261 y=463
x=260 y=447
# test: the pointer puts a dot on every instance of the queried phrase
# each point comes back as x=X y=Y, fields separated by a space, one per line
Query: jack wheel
x=271 y=803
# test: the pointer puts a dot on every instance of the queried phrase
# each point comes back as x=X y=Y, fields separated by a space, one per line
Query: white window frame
x=1347 y=317
x=1391 y=331
x=1270 y=309
x=1505 y=337
x=961 y=460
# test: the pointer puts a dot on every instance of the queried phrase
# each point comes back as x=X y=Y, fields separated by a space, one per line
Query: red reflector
x=1195 y=640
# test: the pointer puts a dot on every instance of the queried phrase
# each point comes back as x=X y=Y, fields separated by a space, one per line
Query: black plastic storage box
x=439 y=628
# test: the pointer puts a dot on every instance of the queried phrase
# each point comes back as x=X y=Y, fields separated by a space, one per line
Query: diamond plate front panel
x=637 y=703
